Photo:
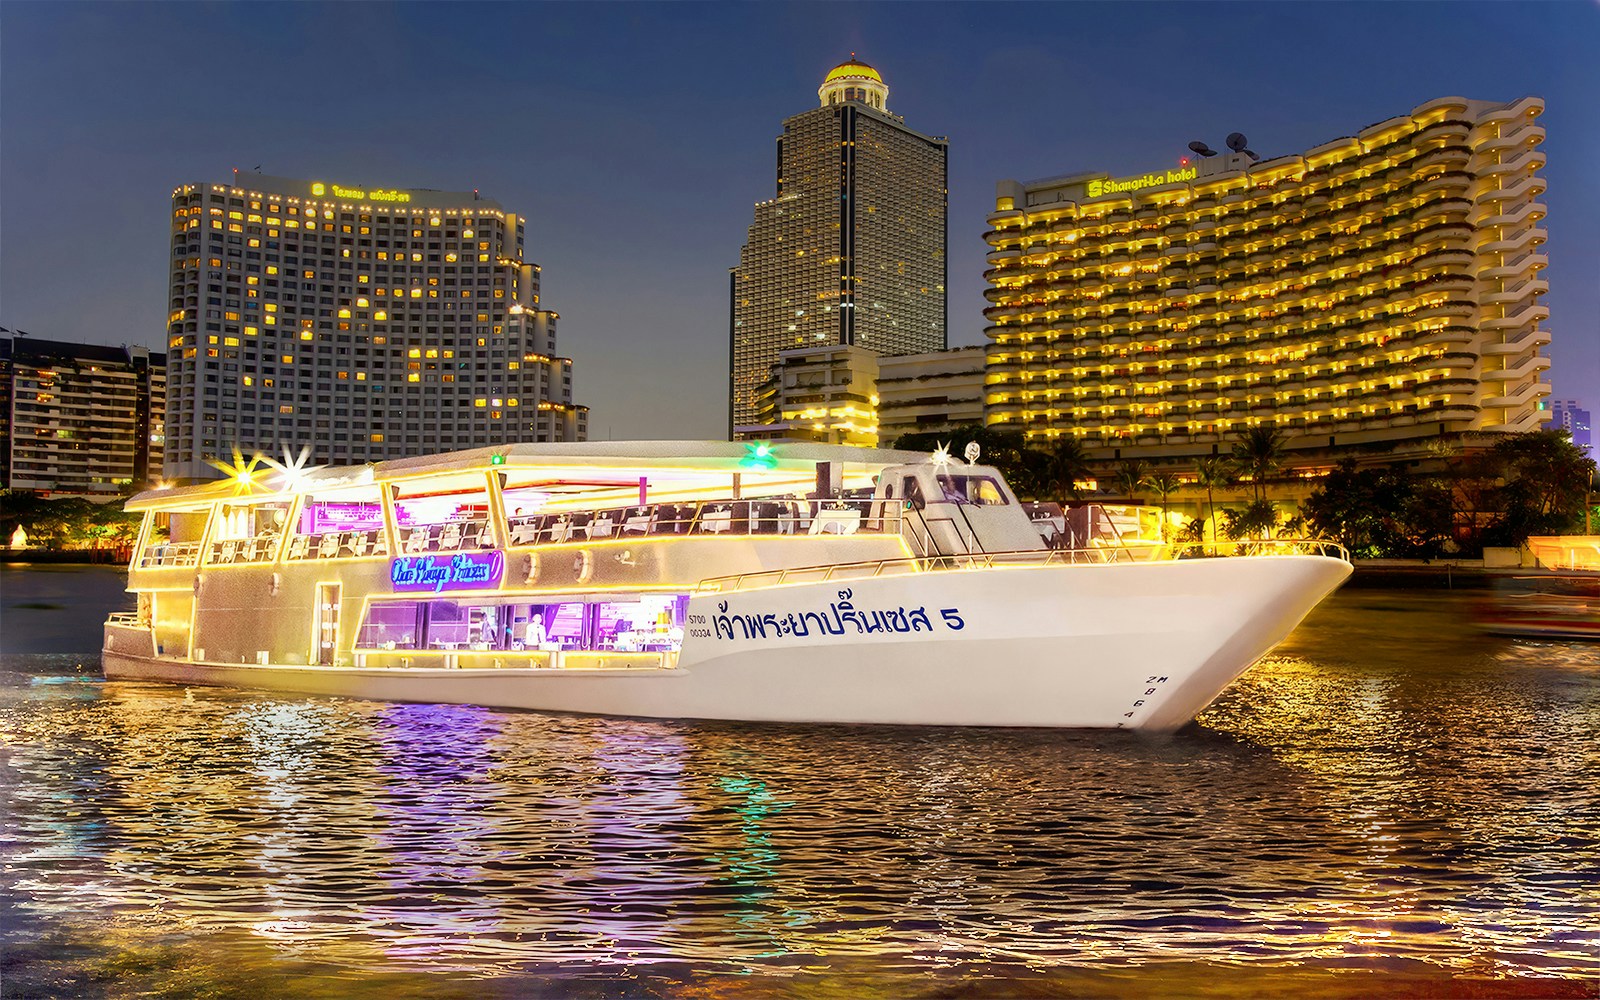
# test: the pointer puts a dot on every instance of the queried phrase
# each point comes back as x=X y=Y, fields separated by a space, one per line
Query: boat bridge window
x=982 y=491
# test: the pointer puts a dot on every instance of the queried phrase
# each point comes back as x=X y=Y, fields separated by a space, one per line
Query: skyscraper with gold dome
x=851 y=249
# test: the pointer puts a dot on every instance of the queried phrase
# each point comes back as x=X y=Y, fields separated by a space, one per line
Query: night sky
x=636 y=138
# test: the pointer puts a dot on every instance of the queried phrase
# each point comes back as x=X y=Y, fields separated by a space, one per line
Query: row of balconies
x=1240 y=377
x=1049 y=317
x=1091 y=295
x=1196 y=427
x=1389 y=203
x=1345 y=250
x=1111 y=237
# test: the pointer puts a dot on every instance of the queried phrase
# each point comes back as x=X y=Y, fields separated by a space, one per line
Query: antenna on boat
x=972 y=451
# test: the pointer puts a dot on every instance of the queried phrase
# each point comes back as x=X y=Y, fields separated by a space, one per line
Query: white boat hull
x=1123 y=645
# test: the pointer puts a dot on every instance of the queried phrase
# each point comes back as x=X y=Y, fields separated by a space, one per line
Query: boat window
x=913 y=493
x=651 y=622
x=339 y=524
x=391 y=625
x=444 y=522
x=983 y=491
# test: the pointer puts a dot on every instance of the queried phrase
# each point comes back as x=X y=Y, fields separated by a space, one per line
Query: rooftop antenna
x=1202 y=149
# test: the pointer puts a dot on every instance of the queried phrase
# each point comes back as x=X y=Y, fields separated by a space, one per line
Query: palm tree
x=1068 y=462
x=1258 y=454
x=1165 y=484
x=1132 y=476
x=1213 y=473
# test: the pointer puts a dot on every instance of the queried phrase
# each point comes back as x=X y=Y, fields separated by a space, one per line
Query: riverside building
x=1378 y=290
x=849 y=395
x=851 y=249
x=362 y=323
x=81 y=419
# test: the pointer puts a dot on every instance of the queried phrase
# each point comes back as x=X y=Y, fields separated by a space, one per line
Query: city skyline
x=637 y=218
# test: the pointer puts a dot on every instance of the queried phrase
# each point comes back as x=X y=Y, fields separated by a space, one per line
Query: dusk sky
x=637 y=137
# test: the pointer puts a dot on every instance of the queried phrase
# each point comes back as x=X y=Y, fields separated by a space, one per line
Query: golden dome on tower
x=852 y=69
x=854 y=81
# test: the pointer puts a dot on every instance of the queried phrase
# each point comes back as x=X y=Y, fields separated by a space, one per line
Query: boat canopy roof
x=598 y=464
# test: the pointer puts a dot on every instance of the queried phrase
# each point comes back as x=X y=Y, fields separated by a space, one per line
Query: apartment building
x=80 y=419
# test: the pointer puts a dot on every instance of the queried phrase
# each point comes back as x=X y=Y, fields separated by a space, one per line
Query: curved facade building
x=1377 y=288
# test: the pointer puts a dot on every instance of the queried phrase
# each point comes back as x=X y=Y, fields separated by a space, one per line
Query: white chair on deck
x=450 y=537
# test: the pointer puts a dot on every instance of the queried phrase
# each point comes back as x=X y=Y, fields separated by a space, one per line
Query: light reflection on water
x=1390 y=794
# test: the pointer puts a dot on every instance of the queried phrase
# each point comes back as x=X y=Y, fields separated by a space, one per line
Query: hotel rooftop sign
x=320 y=190
x=1124 y=185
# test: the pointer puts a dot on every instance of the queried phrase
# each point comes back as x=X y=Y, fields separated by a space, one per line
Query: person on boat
x=536 y=635
x=952 y=492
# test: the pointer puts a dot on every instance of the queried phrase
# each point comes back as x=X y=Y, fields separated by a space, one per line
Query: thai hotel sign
x=1122 y=185
x=320 y=190
x=436 y=574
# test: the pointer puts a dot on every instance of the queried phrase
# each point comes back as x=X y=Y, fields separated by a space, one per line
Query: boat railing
x=167 y=554
x=718 y=518
x=252 y=549
x=1090 y=555
x=465 y=534
x=126 y=619
x=354 y=543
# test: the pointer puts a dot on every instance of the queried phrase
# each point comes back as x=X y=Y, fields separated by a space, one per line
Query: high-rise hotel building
x=363 y=323
x=851 y=250
x=1377 y=288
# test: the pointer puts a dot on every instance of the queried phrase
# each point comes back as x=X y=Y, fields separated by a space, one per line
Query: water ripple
x=1354 y=806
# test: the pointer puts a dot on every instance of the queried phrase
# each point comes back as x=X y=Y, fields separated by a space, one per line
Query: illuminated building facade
x=823 y=394
x=851 y=250
x=849 y=395
x=937 y=391
x=1375 y=290
x=81 y=419
x=364 y=324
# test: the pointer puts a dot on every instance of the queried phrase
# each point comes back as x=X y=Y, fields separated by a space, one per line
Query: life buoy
x=583 y=565
x=531 y=571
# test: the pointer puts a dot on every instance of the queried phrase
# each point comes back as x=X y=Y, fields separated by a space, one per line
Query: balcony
x=1524 y=340
x=1531 y=313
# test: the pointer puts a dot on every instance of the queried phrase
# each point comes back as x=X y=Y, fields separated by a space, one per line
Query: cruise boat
x=789 y=582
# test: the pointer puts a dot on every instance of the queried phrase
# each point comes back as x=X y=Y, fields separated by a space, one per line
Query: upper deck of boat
x=686 y=468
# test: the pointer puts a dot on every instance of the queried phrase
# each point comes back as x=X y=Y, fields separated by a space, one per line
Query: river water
x=1390 y=805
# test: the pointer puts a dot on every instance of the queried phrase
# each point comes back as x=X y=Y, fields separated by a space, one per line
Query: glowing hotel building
x=1377 y=288
x=365 y=324
x=851 y=250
